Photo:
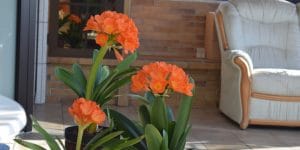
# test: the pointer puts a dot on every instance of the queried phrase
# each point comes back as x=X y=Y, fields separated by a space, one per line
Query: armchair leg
x=244 y=124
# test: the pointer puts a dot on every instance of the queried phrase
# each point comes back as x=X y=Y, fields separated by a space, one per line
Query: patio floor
x=210 y=130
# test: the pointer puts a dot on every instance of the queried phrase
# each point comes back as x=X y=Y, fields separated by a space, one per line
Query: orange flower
x=140 y=82
x=101 y=39
x=116 y=25
x=158 y=86
x=118 y=55
x=86 y=112
x=179 y=81
x=160 y=76
x=64 y=7
x=74 y=18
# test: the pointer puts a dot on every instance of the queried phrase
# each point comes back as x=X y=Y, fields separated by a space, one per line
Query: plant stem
x=79 y=137
x=95 y=67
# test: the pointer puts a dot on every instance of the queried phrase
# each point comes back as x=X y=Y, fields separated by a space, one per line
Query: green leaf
x=95 y=53
x=130 y=129
x=128 y=143
x=60 y=142
x=144 y=115
x=29 y=145
x=158 y=114
x=165 y=141
x=112 y=143
x=65 y=76
x=150 y=97
x=153 y=137
x=102 y=74
x=111 y=80
x=105 y=139
x=126 y=62
x=96 y=138
x=79 y=75
x=49 y=139
x=182 y=118
x=170 y=113
x=181 y=144
x=171 y=129
x=116 y=85
x=142 y=99
x=99 y=89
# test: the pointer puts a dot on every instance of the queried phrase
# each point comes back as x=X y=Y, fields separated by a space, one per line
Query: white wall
x=8 y=11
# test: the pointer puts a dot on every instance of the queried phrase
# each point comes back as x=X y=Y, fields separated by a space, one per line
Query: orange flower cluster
x=86 y=112
x=116 y=25
x=74 y=18
x=159 y=76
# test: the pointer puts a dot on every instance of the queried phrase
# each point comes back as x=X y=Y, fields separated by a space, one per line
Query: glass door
x=8 y=16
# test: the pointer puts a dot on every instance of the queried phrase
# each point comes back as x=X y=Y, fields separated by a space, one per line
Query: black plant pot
x=71 y=137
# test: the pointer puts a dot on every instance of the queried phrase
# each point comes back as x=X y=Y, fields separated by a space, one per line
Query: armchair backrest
x=268 y=30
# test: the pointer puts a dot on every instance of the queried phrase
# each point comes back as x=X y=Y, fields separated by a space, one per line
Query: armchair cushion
x=276 y=81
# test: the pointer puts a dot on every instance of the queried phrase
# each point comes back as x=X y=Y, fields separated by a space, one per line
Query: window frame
x=53 y=49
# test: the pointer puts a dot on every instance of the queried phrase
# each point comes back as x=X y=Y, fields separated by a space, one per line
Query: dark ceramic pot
x=71 y=137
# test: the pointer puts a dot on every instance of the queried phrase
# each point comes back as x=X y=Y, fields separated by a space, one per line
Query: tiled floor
x=210 y=130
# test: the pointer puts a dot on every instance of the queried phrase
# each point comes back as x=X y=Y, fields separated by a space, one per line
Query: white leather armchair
x=260 y=49
x=12 y=119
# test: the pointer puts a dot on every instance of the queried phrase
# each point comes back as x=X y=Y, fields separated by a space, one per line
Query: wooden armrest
x=245 y=89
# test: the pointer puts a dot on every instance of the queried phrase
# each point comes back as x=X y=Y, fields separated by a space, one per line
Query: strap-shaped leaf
x=153 y=137
x=158 y=114
x=165 y=141
x=171 y=129
x=95 y=53
x=144 y=115
x=110 y=81
x=126 y=62
x=96 y=138
x=150 y=97
x=130 y=129
x=29 y=145
x=79 y=75
x=182 y=118
x=105 y=139
x=70 y=81
x=102 y=74
x=128 y=143
x=115 y=86
x=49 y=139
x=60 y=142
x=170 y=113
x=141 y=99
x=181 y=144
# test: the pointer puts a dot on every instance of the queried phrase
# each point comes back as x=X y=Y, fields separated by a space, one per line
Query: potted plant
x=162 y=131
x=84 y=112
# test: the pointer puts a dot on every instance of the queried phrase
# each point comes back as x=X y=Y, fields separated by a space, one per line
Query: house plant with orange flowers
x=114 y=32
x=85 y=112
x=162 y=131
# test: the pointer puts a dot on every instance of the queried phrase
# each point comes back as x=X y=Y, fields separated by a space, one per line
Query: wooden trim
x=212 y=50
x=245 y=89
x=276 y=97
x=220 y=23
x=274 y=122
x=127 y=7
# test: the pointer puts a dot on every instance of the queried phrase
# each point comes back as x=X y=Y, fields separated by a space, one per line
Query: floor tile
x=210 y=129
